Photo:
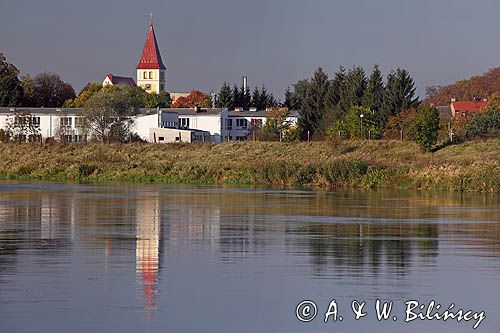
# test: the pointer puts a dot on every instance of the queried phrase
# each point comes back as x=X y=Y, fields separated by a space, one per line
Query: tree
x=246 y=97
x=314 y=104
x=335 y=88
x=374 y=95
x=28 y=90
x=11 y=91
x=353 y=89
x=427 y=127
x=487 y=122
x=23 y=127
x=153 y=101
x=476 y=87
x=88 y=91
x=294 y=99
x=224 y=97
x=432 y=91
x=399 y=94
x=359 y=123
x=262 y=99
x=49 y=90
x=276 y=125
x=195 y=98
x=401 y=125
x=106 y=115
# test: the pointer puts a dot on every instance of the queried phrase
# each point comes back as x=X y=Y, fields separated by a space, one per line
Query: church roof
x=121 y=80
x=151 y=58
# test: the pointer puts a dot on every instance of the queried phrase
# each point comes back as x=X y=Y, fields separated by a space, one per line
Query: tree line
x=323 y=102
x=242 y=97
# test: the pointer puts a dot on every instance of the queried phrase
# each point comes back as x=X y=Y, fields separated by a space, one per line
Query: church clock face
x=148 y=86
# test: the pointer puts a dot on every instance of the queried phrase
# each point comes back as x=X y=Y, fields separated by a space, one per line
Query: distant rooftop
x=121 y=80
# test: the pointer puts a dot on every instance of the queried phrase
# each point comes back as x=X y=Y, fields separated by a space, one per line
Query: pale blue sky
x=274 y=42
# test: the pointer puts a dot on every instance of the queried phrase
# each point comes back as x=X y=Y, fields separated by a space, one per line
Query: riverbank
x=471 y=166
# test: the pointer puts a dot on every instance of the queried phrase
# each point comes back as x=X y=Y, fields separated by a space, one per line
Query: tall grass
x=472 y=166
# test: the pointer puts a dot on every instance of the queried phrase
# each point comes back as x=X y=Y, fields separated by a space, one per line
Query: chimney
x=245 y=83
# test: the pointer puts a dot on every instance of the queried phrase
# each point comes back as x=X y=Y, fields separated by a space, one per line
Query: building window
x=184 y=122
x=144 y=75
x=66 y=122
x=78 y=121
x=35 y=121
x=229 y=124
x=68 y=138
x=161 y=138
x=241 y=123
x=150 y=75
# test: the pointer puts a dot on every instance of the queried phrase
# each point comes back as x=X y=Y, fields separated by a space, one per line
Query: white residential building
x=240 y=124
x=49 y=122
x=213 y=121
x=152 y=125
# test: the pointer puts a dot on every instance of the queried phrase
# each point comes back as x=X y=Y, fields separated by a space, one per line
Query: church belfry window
x=150 y=75
x=144 y=75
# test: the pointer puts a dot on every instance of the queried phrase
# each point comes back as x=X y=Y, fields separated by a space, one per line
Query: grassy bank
x=472 y=166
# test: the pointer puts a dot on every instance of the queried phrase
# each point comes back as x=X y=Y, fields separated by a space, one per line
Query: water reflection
x=341 y=236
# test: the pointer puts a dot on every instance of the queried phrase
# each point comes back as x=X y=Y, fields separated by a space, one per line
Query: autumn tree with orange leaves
x=195 y=98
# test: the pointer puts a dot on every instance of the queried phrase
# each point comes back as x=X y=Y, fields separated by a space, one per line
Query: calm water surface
x=85 y=258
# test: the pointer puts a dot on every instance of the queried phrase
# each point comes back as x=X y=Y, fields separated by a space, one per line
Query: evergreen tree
x=256 y=98
x=237 y=97
x=335 y=88
x=374 y=95
x=262 y=99
x=353 y=90
x=246 y=97
x=290 y=101
x=314 y=104
x=225 y=97
x=399 y=94
x=11 y=91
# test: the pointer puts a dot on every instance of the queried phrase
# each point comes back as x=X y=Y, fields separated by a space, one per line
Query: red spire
x=151 y=58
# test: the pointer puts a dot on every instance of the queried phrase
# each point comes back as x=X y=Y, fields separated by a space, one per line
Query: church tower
x=151 y=70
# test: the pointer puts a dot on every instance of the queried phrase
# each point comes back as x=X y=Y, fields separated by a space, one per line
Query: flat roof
x=259 y=113
x=200 y=112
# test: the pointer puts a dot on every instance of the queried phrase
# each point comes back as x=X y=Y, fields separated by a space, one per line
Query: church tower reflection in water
x=147 y=251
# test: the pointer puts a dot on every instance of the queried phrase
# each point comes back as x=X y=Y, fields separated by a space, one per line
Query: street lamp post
x=361 y=116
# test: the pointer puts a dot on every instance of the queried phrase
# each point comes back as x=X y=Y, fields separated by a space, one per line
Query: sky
x=274 y=42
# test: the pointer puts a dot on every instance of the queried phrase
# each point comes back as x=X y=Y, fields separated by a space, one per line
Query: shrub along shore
x=471 y=166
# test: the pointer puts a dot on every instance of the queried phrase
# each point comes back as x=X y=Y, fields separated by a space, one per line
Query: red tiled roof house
x=465 y=108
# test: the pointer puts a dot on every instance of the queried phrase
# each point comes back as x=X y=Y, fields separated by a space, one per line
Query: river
x=172 y=258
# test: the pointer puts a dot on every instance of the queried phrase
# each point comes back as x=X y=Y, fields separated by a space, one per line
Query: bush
x=427 y=127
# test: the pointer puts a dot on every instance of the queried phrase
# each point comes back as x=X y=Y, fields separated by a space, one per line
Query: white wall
x=214 y=124
x=143 y=123
x=49 y=123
